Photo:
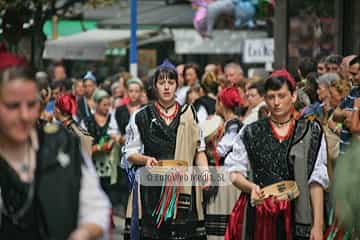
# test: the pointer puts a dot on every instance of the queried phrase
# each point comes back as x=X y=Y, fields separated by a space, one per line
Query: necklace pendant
x=24 y=168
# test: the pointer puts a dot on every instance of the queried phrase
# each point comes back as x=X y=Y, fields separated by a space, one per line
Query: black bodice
x=95 y=130
x=159 y=139
x=267 y=155
x=122 y=117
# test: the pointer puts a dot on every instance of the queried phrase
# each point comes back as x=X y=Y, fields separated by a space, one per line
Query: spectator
x=344 y=111
x=321 y=66
x=306 y=66
x=205 y=105
x=311 y=86
x=59 y=72
x=333 y=63
x=234 y=73
x=182 y=90
x=354 y=72
x=191 y=75
x=78 y=88
x=57 y=88
x=192 y=95
x=355 y=119
x=318 y=108
x=86 y=104
x=338 y=91
x=255 y=97
x=345 y=65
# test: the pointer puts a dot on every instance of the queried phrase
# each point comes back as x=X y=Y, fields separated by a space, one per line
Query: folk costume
x=84 y=110
x=283 y=167
x=146 y=132
x=66 y=103
x=205 y=106
x=104 y=155
x=122 y=116
x=301 y=156
x=63 y=194
x=222 y=198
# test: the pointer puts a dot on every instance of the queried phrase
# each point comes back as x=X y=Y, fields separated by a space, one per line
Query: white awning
x=188 y=41
x=90 y=45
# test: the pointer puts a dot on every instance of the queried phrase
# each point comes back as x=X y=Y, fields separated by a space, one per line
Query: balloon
x=244 y=12
x=208 y=12
x=200 y=17
x=217 y=8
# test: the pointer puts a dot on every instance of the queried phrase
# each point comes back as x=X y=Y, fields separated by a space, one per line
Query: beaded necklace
x=287 y=135
x=170 y=117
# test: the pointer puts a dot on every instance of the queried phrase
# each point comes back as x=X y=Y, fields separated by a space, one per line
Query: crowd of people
x=72 y=148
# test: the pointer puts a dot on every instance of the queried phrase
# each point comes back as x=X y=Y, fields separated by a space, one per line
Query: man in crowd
x=86 y=104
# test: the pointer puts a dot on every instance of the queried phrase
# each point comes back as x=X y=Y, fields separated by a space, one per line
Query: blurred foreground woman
x=48 y=189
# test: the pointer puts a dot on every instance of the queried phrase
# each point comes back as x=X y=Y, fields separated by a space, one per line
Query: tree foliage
x=44 y=9
x=35 y=13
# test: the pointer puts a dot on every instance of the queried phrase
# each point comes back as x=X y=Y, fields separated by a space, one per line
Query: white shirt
x=253 y=116
x=181 y=94
x=94 y=205
x=202 y=114
x=227 y=141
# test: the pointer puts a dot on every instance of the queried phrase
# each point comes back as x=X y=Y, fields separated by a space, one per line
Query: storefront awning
x=188 y=41
x=69 y=27
x=90 y=45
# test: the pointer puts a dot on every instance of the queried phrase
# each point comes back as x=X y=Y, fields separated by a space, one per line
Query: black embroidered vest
x=122 y=117
x=267 y=155
x=158 y=138
x=207 y=102
x=55 y=202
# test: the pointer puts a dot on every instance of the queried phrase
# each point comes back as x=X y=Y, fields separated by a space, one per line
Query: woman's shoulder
x=233 y=125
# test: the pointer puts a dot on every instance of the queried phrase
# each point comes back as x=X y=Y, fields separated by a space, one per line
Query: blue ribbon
x=134 y=229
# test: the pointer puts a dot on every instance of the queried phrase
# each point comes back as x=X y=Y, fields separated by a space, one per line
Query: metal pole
x=133 y=43
x=281 y=34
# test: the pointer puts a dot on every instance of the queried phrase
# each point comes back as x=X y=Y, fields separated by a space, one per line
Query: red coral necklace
x=162 y=110
x=287 y=135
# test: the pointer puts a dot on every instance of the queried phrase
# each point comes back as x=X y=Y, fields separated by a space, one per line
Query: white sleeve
x=94 y=206
x=202 y=114
x=83 y=125
x=113 y=128
x=227 y=141
x=320 y=173
x=133 y=139
x=237 y=160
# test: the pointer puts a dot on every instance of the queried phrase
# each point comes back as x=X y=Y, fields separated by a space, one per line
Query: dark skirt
x=185 y=227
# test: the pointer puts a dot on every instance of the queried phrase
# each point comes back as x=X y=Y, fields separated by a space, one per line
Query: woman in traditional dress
x=153 y=135
x=105 y=151
x=46 y=190
x=134 y=89
x=274 y=161
x=222 y=196
x=205 y=105
x=64 y=112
